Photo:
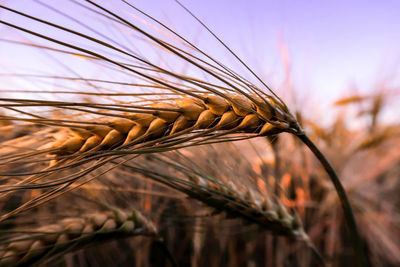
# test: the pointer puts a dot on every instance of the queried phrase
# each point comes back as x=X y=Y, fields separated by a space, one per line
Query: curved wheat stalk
x=202 y=112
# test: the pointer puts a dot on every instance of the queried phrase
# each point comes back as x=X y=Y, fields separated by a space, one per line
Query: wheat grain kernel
x=217 y=105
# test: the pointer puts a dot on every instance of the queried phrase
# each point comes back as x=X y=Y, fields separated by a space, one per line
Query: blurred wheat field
x=123 y=143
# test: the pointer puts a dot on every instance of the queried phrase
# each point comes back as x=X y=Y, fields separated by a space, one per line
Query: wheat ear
x=72 y=233
x=287 y=123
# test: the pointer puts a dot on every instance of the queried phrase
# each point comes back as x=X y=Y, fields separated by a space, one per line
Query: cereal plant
x=122 y=113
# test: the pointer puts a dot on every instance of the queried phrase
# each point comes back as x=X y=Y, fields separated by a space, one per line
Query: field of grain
x=124 y=143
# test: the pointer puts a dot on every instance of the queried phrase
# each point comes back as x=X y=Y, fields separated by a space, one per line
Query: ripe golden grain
x=213 y=112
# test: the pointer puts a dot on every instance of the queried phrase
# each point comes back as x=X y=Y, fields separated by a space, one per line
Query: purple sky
x=331 y=44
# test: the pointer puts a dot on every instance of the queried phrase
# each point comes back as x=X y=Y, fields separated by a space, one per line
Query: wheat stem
x=345 y=203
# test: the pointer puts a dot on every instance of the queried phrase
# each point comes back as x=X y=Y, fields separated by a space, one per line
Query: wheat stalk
x=210 y=108
x=29 y=246
x=161 y=130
